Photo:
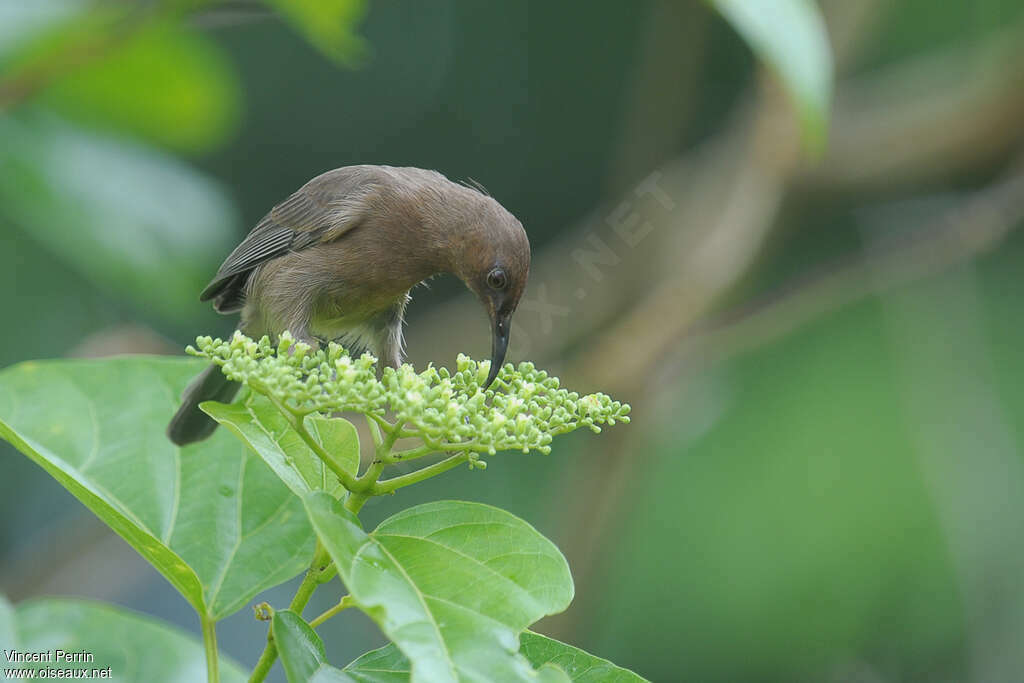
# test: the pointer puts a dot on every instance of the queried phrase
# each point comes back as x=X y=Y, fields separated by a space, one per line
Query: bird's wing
x=322 y=210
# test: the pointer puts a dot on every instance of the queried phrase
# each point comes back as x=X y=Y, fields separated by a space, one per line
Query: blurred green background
x=819 y=332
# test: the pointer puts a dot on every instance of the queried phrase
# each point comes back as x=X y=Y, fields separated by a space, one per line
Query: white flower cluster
x=524 y=409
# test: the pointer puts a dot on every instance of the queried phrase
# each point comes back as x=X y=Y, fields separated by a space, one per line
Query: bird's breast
x=358 y=322
x=357 y=337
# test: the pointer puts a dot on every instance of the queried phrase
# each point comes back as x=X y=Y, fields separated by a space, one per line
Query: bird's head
x=494 y=263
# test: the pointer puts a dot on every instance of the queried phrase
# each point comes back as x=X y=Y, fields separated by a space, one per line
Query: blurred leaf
x=452 y=584
x=135 y=647
x=21 y=21
x=212 y=518
x=302 y=652
x=7 y=631
x=137 y=222
x=789 y=483
x=790 y=36
x=124 y=68
x=329 y=25
x=389 y=665
x=164 y=83
x=260 y=425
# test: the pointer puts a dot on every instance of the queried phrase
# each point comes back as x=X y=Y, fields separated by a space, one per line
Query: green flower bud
x=522 y=412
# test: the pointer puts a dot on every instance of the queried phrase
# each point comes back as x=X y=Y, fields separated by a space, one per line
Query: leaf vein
x=423 y=601
x=238 y=540
x=533 y=600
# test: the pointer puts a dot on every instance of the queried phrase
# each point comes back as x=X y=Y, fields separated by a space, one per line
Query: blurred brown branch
x=976 y=224
x=928 y=118
x=850 y=25
x=725 y=215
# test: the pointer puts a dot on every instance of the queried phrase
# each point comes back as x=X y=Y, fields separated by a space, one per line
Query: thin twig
x=320 y=566
x=343 y=604
x=395 y=483
x=975 y=225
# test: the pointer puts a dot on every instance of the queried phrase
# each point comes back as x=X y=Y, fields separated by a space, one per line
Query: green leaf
x=164 y=83
x=302 y=651
x=211 y=517
x=790 y=36
x=339 y=439
x=580 y=666
x=329 y=25
x=383 y=665
x=452 y=584
x=266 y=431
x=552 y=673
x=389 y=665
x=135 y=221
x=135 y=647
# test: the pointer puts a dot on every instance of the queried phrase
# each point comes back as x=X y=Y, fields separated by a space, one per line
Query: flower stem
x=431 y=447
x=412 y=453
x=265 y=661
x=210 y=645
x=395 y=483
x=318 y=568
x=374 y=430
x=310 y=582
x=343 y=604
x=298 y=423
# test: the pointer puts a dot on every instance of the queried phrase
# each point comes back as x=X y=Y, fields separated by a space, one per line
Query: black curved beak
x=499 y=345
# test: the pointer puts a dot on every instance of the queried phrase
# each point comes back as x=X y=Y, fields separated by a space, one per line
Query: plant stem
x=210 y=645
x=389 y=485
x=429 y=448
x=313 y=578
x=343 y=604
x=383 y=449
x=265 y=661
x=309 y=584
x=298 y=423
x=355 y=501
x=366 y=483
x=365 y=486
x=374 y=430
x=412 y=453
x=380 y=421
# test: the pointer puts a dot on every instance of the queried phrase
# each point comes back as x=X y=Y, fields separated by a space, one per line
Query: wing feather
x=322 y=210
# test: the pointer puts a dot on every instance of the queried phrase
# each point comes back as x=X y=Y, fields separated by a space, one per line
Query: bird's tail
x=190 y=424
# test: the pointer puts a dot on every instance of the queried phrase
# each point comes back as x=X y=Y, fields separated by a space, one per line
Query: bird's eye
x=496 y=279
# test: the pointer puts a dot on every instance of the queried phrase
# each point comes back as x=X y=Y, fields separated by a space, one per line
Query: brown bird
x=336 y=260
